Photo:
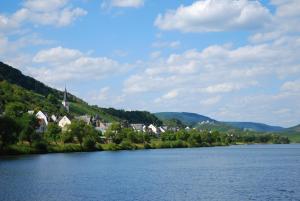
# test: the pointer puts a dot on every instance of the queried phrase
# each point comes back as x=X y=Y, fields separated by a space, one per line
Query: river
x=235 y=173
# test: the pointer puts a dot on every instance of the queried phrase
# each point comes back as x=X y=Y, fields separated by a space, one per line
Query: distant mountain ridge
x=185 y=117
x=260 y=127
x=193 y=119
x=295 y=128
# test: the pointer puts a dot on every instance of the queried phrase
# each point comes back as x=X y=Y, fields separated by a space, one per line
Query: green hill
x=204 y=122
x=294 y=129
x=31 y=94
x=187 y=118
x=259 y=127
x=217 y=126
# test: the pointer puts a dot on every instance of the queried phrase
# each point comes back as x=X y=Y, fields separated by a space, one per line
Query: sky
x=229 y=60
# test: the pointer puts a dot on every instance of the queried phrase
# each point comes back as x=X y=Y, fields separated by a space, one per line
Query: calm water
x=254 y=172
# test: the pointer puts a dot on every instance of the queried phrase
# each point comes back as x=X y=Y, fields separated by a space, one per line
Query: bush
x=89 y=144
x=113 y=147
x=99 y=147
x=71 y=148
x=127 y=145
x=164 y=145
x=178 y=144
x=41 y=146
x=147 y=146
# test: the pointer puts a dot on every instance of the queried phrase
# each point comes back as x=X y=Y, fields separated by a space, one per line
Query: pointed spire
x=65 y=94
x=65 y=101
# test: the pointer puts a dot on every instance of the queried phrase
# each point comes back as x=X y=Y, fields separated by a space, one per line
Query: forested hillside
x=26 y=93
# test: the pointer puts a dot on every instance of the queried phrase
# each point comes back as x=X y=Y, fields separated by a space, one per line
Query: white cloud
x=171 y=94
x=101 y=95
x=225 y=87
x=122 y=3
x=210 y=101
x=223 y=72
x=215 y=15
x=168 y=96
x=285 y=21
x=166 y=44
x=57 y=55
x=60 y=64
x=44 y=6
x=39 y=12
x=11 y=50
x=291 y=86
x=155 y=54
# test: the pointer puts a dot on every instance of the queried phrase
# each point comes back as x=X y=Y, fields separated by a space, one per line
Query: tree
x=15 y=109
x=83 y=133
x=195 y=138
x=8 y=131
x=29 y=124
x=206 y=137
x=182 y=135
x=53 y=132
x=52 y=99
x=77 y=130
x=113 y=133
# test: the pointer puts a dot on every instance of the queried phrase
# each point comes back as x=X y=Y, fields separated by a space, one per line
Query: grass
x=24 y=148
x=294 y=138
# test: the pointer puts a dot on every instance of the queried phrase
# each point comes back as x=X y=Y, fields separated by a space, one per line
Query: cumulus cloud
x=223 y=72
x=61 y=64
x=122 y=3
x=225 y=87
x=168 y=96
x=291 y=86
x=214 y=16
x=51 y=12
x=285 y=21
x=210 y=101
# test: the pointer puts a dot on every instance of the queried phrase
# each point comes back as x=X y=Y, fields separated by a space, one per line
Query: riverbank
x=25 y=149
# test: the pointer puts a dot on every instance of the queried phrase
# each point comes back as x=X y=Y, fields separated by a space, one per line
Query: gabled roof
x=41 y=115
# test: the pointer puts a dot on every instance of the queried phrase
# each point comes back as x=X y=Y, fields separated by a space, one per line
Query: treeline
x=18 y=134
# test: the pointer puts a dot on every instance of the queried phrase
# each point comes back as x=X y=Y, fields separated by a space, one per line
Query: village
x=95 y=121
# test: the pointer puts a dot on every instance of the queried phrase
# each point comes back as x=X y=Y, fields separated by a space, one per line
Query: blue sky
x=230 y=60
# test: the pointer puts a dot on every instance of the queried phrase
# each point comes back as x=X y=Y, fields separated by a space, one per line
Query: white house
x=53 y=118
x=153 y=129
x=138 y=127
x=63 y=122
x=86 y=118
x=161 y=129
x=31 y=112
x=41 y=115
x=103 y=127
x=43 y=122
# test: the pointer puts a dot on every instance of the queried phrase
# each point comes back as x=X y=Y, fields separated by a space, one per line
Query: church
x=65 y=102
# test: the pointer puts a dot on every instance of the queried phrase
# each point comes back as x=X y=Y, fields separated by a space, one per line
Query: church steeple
x=65 y=102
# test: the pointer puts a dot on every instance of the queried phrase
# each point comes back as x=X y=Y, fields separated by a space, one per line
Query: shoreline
x=78 y=149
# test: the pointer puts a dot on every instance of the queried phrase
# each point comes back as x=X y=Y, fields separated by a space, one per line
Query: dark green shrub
x=147 y=146
x=89 y=144
x=127 y=145
x=99 y=147
x=41 y=146
x=113 y=147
